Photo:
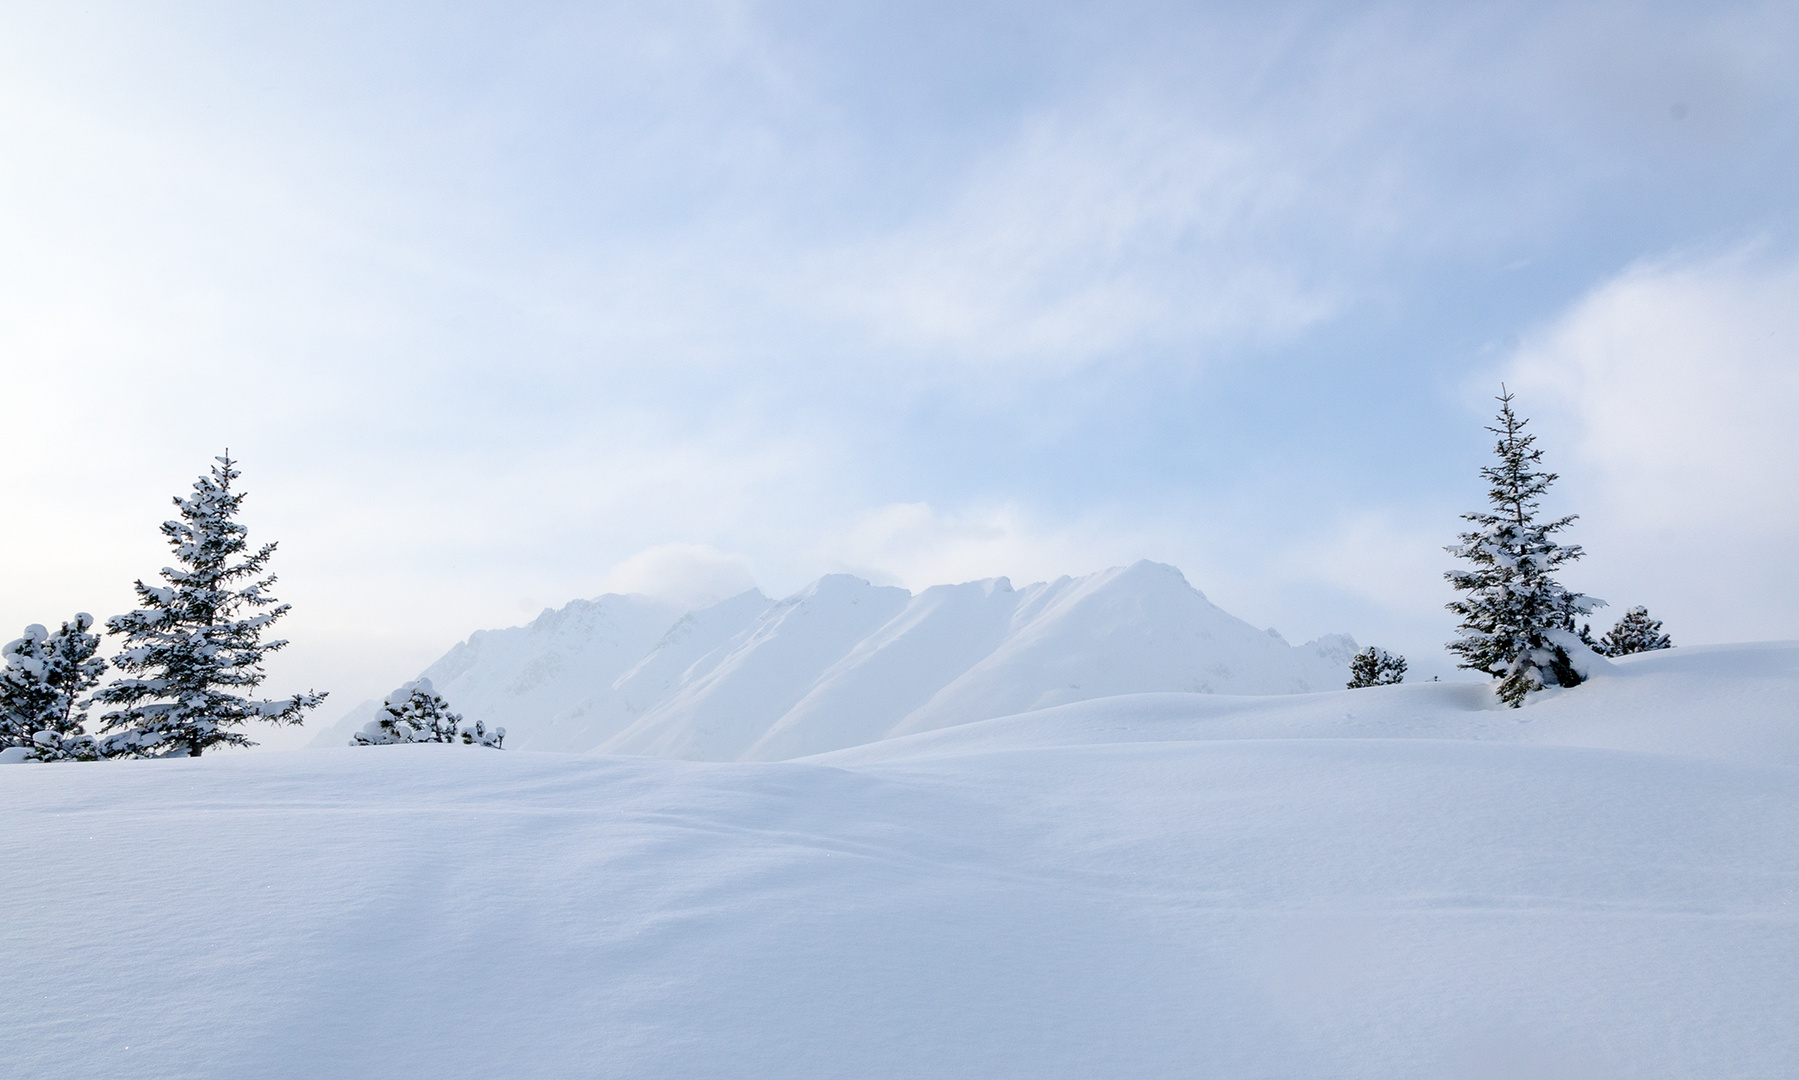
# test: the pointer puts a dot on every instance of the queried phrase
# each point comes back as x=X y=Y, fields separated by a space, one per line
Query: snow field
x=1399 y=882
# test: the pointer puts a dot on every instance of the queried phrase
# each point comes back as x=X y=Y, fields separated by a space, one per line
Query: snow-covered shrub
x=1375 y=667
x=416 y=713
x=1514 y=606
x=196 y=644
x=478 y=734
x=1636 y=632
x=44 y=676
x=413 y=713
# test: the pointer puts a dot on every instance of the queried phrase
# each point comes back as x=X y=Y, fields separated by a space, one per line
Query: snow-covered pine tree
x=1515 y=611
x=413 y=713
x=45 y=674
x=1375 y=667
x=1636 y=632
x=196 y=644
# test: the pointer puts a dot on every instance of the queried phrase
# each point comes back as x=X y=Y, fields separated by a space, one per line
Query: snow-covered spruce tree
x=41 y=684
x=196 y=645
x=417 y=713
x=1636 y=632
x=1375 y=667
x=1517 y=620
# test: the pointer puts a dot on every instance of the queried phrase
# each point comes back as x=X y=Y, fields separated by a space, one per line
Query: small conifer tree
x=41 y=688
x=1514 y=610
x=417 y=713
x=196 y=645
x=1636 y=632
x=1375 y=667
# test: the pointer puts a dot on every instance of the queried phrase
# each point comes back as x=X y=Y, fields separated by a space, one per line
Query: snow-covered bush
x=478 y=734
x=1375 y=667
x=41 y=684
x=1636 y=632
x=1514 y=608
x=416 y=713
x=413 y=713
x=196 y=644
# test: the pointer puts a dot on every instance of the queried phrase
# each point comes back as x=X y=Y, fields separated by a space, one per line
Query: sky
x=501 y=305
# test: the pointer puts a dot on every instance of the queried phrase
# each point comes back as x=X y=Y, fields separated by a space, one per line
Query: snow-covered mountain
x=844 y=662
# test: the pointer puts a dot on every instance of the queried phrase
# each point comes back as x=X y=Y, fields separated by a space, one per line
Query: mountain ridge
x=844 y=662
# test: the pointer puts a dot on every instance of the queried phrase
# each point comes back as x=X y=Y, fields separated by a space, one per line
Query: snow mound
x=844 y=662
x=1401 y=883
x=1733 y=703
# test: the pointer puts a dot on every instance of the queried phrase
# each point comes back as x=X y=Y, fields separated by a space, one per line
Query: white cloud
x=1681 y=380
x=918 y=545
x=691 y=575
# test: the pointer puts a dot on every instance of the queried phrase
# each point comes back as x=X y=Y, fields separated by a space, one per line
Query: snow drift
x=1403 y=883
x=844 y=662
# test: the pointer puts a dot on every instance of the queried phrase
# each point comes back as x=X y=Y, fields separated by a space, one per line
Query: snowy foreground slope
x=1392 y=883
x=844 y=662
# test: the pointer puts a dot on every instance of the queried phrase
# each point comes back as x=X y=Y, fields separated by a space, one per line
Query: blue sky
x=502 y=305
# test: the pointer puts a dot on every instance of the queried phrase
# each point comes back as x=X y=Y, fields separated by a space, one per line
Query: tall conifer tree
x=1517 y=620
x=195 y=646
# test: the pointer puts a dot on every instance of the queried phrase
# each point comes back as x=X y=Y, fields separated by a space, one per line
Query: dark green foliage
x=413 y=713
x=1514 y=610
x=41 y=684
x=1375 y=667
x=416 y=713
x=195 y=647
x=1636 y=632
